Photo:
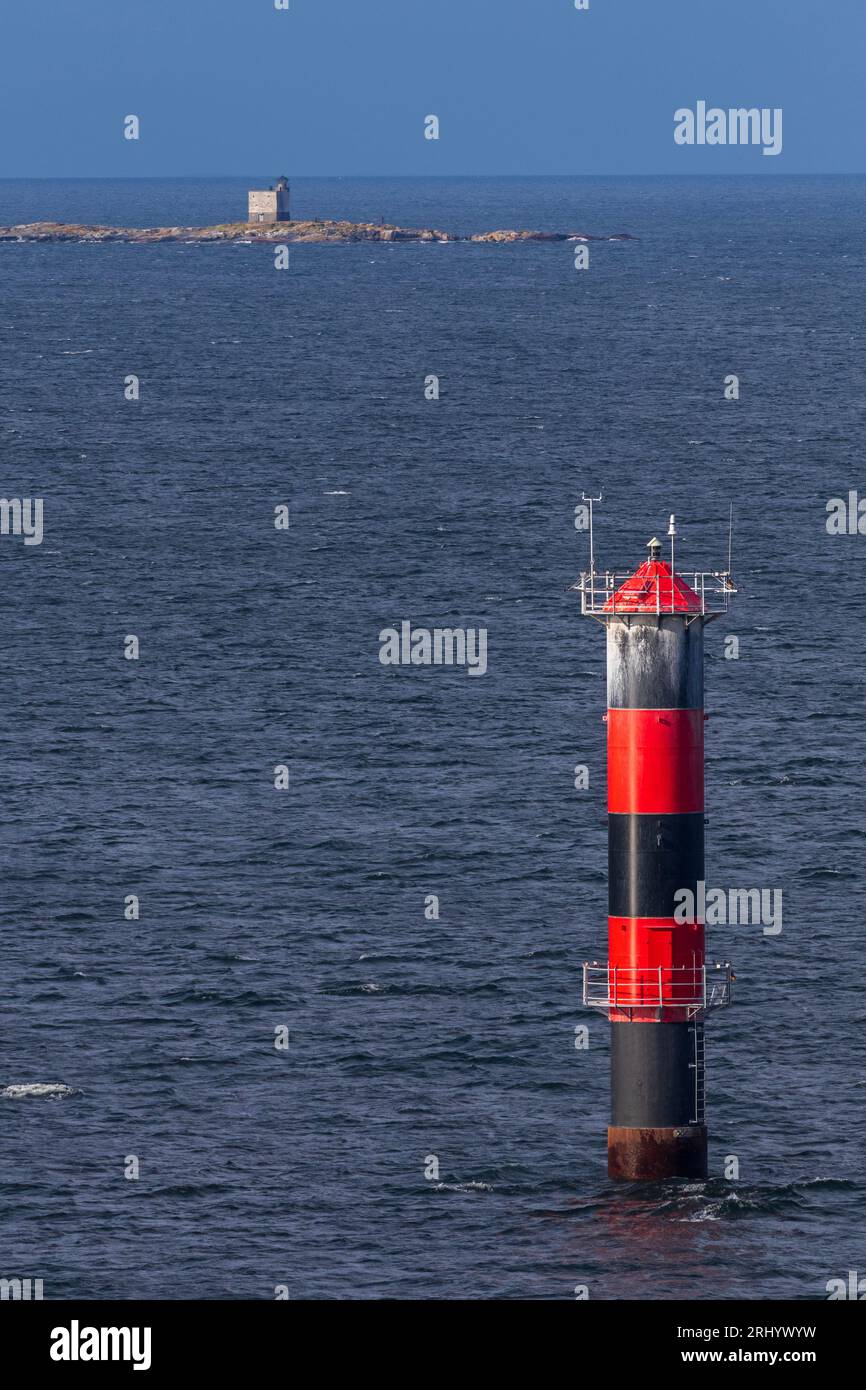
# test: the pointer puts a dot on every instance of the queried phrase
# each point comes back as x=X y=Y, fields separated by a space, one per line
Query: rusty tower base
x=647 y=1155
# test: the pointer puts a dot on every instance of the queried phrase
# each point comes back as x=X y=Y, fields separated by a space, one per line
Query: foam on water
x=54 y=1090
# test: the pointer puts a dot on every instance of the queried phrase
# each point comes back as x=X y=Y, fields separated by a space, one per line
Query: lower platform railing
x=627 y=989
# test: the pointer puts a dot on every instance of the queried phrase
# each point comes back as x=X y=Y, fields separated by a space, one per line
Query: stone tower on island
x=270 y=204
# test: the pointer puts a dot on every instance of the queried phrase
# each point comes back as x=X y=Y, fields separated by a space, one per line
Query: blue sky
x=343 y=86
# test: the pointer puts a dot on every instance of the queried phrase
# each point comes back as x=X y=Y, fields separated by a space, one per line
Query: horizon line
x=723 y=174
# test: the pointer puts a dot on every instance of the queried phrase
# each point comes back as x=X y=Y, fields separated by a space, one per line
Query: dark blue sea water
x=305 y=908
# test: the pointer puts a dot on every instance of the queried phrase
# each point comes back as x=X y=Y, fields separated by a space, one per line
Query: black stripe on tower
x=651 y=857
x=657 y=1079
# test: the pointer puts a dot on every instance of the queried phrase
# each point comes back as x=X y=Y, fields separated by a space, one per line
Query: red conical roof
x=652 y=588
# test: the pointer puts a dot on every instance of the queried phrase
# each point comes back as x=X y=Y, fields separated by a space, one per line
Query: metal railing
x=625 y=988
x=599 y=596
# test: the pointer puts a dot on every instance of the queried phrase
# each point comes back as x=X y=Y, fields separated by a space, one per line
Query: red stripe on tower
x=655 y=761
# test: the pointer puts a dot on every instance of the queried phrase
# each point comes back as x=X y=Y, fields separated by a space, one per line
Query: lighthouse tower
x=270 y=205
x=655 y=987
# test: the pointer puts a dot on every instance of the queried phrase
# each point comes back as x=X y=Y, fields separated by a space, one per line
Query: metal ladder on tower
x=699 y=1068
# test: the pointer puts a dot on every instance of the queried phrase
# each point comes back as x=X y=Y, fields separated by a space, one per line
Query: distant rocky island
x=310 y=232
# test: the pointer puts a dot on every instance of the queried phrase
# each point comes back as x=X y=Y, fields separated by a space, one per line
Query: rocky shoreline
x=293 y=232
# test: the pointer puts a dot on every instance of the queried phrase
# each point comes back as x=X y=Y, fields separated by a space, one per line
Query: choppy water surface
x=408 y=1037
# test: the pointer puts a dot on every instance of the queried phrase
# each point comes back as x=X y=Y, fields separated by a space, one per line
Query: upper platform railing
x=600 y=598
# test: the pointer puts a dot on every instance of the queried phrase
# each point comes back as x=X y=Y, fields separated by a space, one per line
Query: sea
x=295 y=938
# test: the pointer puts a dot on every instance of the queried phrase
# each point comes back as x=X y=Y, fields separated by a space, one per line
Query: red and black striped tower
x=655 y=987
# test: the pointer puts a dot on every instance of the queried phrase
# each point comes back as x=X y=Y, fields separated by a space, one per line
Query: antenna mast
x=590 y=500
x=672 y=531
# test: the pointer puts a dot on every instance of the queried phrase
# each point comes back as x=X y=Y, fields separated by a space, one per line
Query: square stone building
x=270 y=204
